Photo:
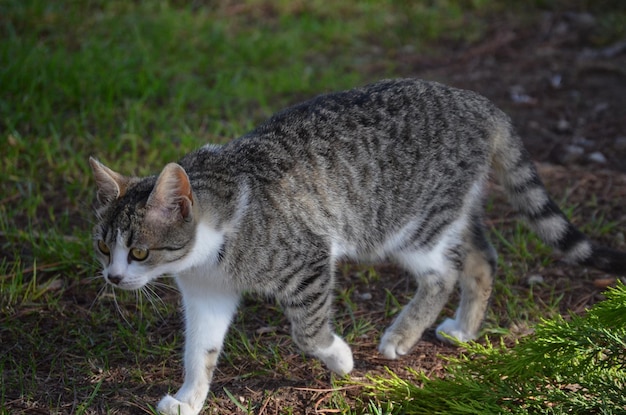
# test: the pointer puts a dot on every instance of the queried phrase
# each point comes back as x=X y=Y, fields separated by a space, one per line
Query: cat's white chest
x=200 y=270
x=206 y=247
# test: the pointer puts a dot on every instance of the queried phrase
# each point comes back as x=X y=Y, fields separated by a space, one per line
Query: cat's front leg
x=309 y=307
x=207 y=318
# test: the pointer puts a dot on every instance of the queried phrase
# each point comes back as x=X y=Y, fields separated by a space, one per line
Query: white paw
x=337 y=357
x=451 y=328
x=392 y=345
x=172 y=406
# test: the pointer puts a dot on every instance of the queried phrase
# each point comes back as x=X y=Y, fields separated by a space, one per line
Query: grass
x=139 y=84
x=566 y=366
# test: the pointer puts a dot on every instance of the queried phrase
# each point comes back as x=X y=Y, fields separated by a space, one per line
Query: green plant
x=574 y=365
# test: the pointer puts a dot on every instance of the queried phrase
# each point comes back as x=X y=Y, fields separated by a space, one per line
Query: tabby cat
x=395 y=170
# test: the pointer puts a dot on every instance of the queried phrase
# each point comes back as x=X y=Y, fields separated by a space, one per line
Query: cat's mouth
x=125 y=282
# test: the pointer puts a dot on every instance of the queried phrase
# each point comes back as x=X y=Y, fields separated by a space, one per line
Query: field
x=139 y=84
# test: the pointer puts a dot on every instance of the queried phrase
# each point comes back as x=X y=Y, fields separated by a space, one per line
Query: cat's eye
x=103 y=247
x=138 y=254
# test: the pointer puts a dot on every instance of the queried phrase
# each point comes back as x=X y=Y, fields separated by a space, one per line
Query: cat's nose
x=114 y=279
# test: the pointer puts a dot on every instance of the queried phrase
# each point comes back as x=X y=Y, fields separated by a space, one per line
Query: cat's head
x=146 y=226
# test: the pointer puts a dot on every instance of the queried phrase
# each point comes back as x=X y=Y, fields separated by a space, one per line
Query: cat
x=395 y=170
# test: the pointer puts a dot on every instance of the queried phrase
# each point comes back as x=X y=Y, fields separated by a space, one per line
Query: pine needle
x=576 y=366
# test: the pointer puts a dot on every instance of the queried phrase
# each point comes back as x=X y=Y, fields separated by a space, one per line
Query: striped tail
x=529 y=196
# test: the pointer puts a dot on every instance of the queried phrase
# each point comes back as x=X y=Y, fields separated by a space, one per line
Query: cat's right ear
x=111 y=185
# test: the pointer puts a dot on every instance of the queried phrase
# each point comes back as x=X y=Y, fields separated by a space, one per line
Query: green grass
x=566 y=366
x=139 y=84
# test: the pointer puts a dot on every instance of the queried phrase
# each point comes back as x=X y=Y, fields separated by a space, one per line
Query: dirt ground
x=566 y=97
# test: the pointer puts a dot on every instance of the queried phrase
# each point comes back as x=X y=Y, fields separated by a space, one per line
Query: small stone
x=601 y=107
x=620 y=143
x=535 y=279
x=581 y=20
x=561 y=28
x=519 y=96
x=563 y=125
x=52 y=285
x=571 y=154
x=556 y=81
x=583 y=142
x=366 y=296
x=266 y=329
x=597 y=157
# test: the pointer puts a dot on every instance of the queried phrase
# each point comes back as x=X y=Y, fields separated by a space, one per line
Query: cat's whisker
x=165 y=286
x=139 y=295
x=154 y=300
x=152 y=295
x=101 y=292
x=96 y=298
x=119 y=308
x=93 y=277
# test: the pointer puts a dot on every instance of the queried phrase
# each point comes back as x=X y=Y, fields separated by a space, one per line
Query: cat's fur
x=392 y=171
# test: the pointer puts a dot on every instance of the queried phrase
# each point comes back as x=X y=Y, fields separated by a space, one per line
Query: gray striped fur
x=395 y=171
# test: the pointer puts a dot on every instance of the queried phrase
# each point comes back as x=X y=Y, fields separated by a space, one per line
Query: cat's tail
x=528 y=195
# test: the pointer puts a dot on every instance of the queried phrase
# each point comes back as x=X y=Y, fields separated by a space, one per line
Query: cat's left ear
x=171 y=199
x=111 y=185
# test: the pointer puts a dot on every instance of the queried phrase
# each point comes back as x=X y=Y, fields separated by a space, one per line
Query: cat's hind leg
x=476 y=281
x=436 y=278
x=307 y=302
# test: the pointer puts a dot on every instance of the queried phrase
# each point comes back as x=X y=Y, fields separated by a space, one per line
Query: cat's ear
x=171 y=199
x=111 y=185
